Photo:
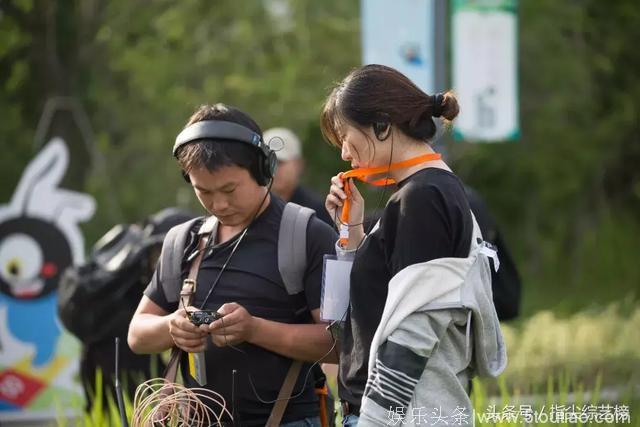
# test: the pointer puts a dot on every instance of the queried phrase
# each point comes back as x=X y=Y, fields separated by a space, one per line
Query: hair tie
x=436 y=104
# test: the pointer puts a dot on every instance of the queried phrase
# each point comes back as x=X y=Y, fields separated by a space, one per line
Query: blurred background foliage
x=567 y=194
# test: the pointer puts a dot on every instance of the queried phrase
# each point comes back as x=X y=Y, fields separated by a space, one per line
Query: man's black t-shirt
x=252 y=280
x=428 y=217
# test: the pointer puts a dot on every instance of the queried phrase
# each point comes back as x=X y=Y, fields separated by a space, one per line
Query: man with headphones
x=264 y=325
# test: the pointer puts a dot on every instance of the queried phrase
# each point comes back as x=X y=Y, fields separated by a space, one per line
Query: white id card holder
x=197 y=368
x=335 y=288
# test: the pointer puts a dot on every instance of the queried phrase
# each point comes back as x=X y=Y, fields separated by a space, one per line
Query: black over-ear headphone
x=223 y=130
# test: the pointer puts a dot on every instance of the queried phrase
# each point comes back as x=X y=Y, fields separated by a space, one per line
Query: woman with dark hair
x=406 y=344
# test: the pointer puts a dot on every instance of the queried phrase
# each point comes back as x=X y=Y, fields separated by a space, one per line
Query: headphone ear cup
x=264 y=166
x=262 y=172
x=382 y=130
x=268 y=167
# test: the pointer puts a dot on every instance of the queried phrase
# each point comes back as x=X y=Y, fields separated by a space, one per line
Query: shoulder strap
x=292 y=263
x=292 y=246
x=169 y=269
x=186 y=295
x=284 y=395
x=482 y=246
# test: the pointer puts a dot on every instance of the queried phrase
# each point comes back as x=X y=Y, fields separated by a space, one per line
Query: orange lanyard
x=363 y=174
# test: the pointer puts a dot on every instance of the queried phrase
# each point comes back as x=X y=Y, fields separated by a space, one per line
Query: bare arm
x=302 y=342
x=307 y=342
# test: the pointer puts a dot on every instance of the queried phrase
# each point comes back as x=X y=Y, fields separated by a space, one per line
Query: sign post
x=400 y=34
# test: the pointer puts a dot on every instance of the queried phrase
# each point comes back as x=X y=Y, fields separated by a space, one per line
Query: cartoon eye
x=20 y=257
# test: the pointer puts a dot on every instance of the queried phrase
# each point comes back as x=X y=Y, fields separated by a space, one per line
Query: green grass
x=562 y=394
x=104 y=411
x=588 y=358
x=604 y=340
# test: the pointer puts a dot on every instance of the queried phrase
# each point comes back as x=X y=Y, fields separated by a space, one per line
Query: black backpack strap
x=170 y=267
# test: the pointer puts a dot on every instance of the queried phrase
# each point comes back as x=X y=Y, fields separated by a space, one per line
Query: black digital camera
x=203 y=317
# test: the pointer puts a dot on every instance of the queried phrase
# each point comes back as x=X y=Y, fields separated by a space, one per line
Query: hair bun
x=448 y=106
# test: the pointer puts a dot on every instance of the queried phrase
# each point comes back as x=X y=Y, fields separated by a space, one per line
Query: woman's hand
x=336 y=197
x=186 y=335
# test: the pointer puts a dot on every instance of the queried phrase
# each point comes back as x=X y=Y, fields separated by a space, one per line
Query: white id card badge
x=335 y=288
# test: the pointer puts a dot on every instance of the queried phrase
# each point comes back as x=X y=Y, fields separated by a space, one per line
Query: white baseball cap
x=284 y=142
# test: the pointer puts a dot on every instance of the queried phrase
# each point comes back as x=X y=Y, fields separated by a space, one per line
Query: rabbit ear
x=38 y=193
x=42 y=175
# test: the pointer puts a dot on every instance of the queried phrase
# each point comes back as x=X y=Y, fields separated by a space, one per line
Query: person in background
x=505 y=282
x=286 y=183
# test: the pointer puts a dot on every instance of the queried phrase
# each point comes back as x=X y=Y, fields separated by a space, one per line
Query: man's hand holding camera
x=236 y=326
x=189 y=328
x=185 y=334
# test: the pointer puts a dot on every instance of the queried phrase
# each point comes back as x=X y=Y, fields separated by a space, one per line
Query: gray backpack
x=292 y=252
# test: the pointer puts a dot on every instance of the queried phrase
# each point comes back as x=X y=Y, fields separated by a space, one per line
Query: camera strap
x=197 y=366
x=186 y=295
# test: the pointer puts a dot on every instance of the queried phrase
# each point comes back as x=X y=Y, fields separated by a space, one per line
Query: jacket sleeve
x=399 y=364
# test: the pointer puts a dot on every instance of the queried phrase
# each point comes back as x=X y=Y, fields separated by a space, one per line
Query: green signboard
x=485 y=69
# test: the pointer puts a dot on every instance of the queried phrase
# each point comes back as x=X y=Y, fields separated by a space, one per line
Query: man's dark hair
x=215 y=154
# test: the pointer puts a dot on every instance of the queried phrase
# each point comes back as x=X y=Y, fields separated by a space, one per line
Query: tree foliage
x=567 y=194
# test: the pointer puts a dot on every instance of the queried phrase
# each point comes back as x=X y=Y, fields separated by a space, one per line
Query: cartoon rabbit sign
x=39 y=238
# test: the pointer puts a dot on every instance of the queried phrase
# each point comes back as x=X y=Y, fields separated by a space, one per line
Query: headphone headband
x=214 y=129
x=229 y=131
